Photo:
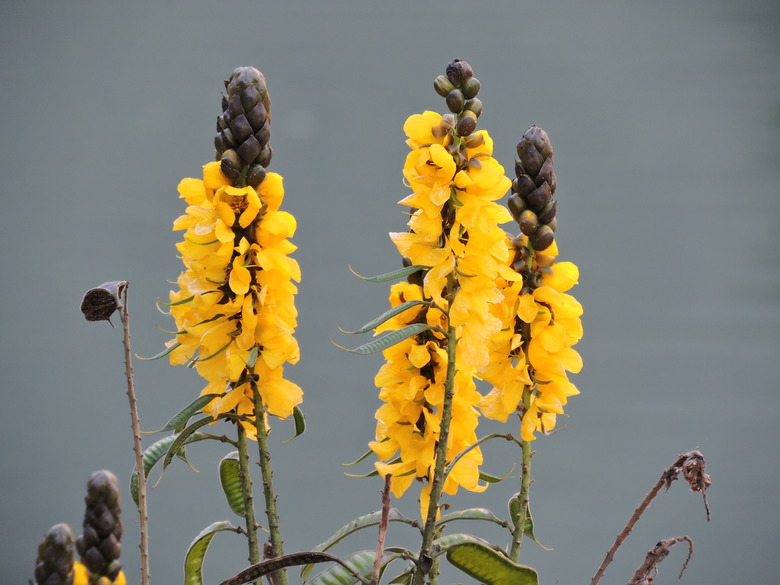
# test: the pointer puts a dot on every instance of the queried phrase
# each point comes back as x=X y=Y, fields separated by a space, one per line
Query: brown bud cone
x=99 y=546
x=245 y=123
x=54 y=565
x=535 y=185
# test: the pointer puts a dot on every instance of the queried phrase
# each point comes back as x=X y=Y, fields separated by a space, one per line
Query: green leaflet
x=180 y=420
x=193 y=561
x=366 y=521
x=390 y=339
x=528 y=529
x=387 y=315
x=495 y=478
x=444 y=543
x=360 y=562
x=471 y=514
x=488 y=566
x=152 y=455
x=230 y=478
x=182 y=437
x=263 y=568
x=300 y=424
x=394 y=275
x=163 y=353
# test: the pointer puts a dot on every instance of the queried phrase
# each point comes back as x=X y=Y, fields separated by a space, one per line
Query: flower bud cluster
x=234 y=310
x=244 y=128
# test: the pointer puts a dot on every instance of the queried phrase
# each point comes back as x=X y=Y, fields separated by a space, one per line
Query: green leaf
x=390 y=339
x=253 y=354
x=494 y=478
x=366 y=521
x=360 y=562
x=255 y=572
x=300 y=424
x=363 y=457
x=404 y=578
x=193 y=561
x=230 y=478
x=182 y=437
x=386 y=316
x=471 y=514
x=394 y=275
x=488 y=566
x=444 y=543
x=179 y=421
x=181 y=302
x=152 y=455
x=162 y=354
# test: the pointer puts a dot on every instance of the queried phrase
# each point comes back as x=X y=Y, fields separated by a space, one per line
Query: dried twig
x=691 y=465
x=645 y=573
x=380 y=546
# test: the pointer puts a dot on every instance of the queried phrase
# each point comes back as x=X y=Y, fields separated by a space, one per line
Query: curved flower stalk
x=234 y=310
x=427 y=383
x=541 y=322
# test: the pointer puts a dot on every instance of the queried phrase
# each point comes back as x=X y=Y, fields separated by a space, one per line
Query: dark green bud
x=471 y=88
x=467 y=124
x=442 y=85
x=528 y=222
x=553 y=224
x=516 y=205
x=255 y=175
x=543 y=238
x=230 y=164
x=475 y=105
x=455 y=101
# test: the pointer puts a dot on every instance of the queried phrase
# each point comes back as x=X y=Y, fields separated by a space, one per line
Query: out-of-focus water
x=665 y=117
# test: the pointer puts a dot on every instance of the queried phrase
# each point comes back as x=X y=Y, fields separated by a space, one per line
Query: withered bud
x=528 y=222
x=455 y=101
x=442 y=85
x=475 y=140
x=544 y=260
x=475 y=105
x=518 y=242
x=448 y=121
x=459 y=71
x=543 y=238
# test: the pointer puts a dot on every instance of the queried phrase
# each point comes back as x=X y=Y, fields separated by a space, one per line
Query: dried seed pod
x=455 y=101
x=442 y=85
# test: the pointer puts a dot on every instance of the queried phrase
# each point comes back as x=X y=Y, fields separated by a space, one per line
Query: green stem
x=246 y=488
x=279 y=577
x=429 y=531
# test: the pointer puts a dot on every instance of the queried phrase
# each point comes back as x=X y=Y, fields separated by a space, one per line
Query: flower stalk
x=250 y=520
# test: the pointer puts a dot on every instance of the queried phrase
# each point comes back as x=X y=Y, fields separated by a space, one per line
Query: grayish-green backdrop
x=664 y=116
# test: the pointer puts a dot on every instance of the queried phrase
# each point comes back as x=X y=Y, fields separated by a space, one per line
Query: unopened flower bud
x=516 y=205
x=471 y=88
x=475 y=140
x=455 y=101
x=553 y=224
x=547 y=214
x=459 y=71
x=255 y=175
x=543 y=238
x=442 y=85
x=54 y=565
x=230 y=164
x=264 y=157
x=467 y=124
x=539 y=197
x=544 y=260
x=528 y=222
x=475 y=105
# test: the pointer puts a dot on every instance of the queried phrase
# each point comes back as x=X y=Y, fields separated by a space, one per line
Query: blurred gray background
x=665 y=117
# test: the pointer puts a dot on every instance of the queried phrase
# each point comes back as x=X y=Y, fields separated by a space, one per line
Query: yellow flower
x=234 y=311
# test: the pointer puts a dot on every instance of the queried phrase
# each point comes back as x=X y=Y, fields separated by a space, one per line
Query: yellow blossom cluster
x=534 y=349
x=455 y=234
x=81 y=576
x=234 y=310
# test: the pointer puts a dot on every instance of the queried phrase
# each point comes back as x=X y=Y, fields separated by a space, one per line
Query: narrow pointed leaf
x=360 y=562
x=363 y=457
x=389 y=276
x=193 y=561
x=300 y=424
x=489 y=566
x=253 y=354
x=494 y=478
x=366 y=521
x=390 y=339
x=230 y=478
x=181 y=302
x=404 y=578
x=152 y=455
x=162 y=354
x=180 y=420
x=528 y=529
x=386 y=316
x=182 y=437
x=471 y=514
